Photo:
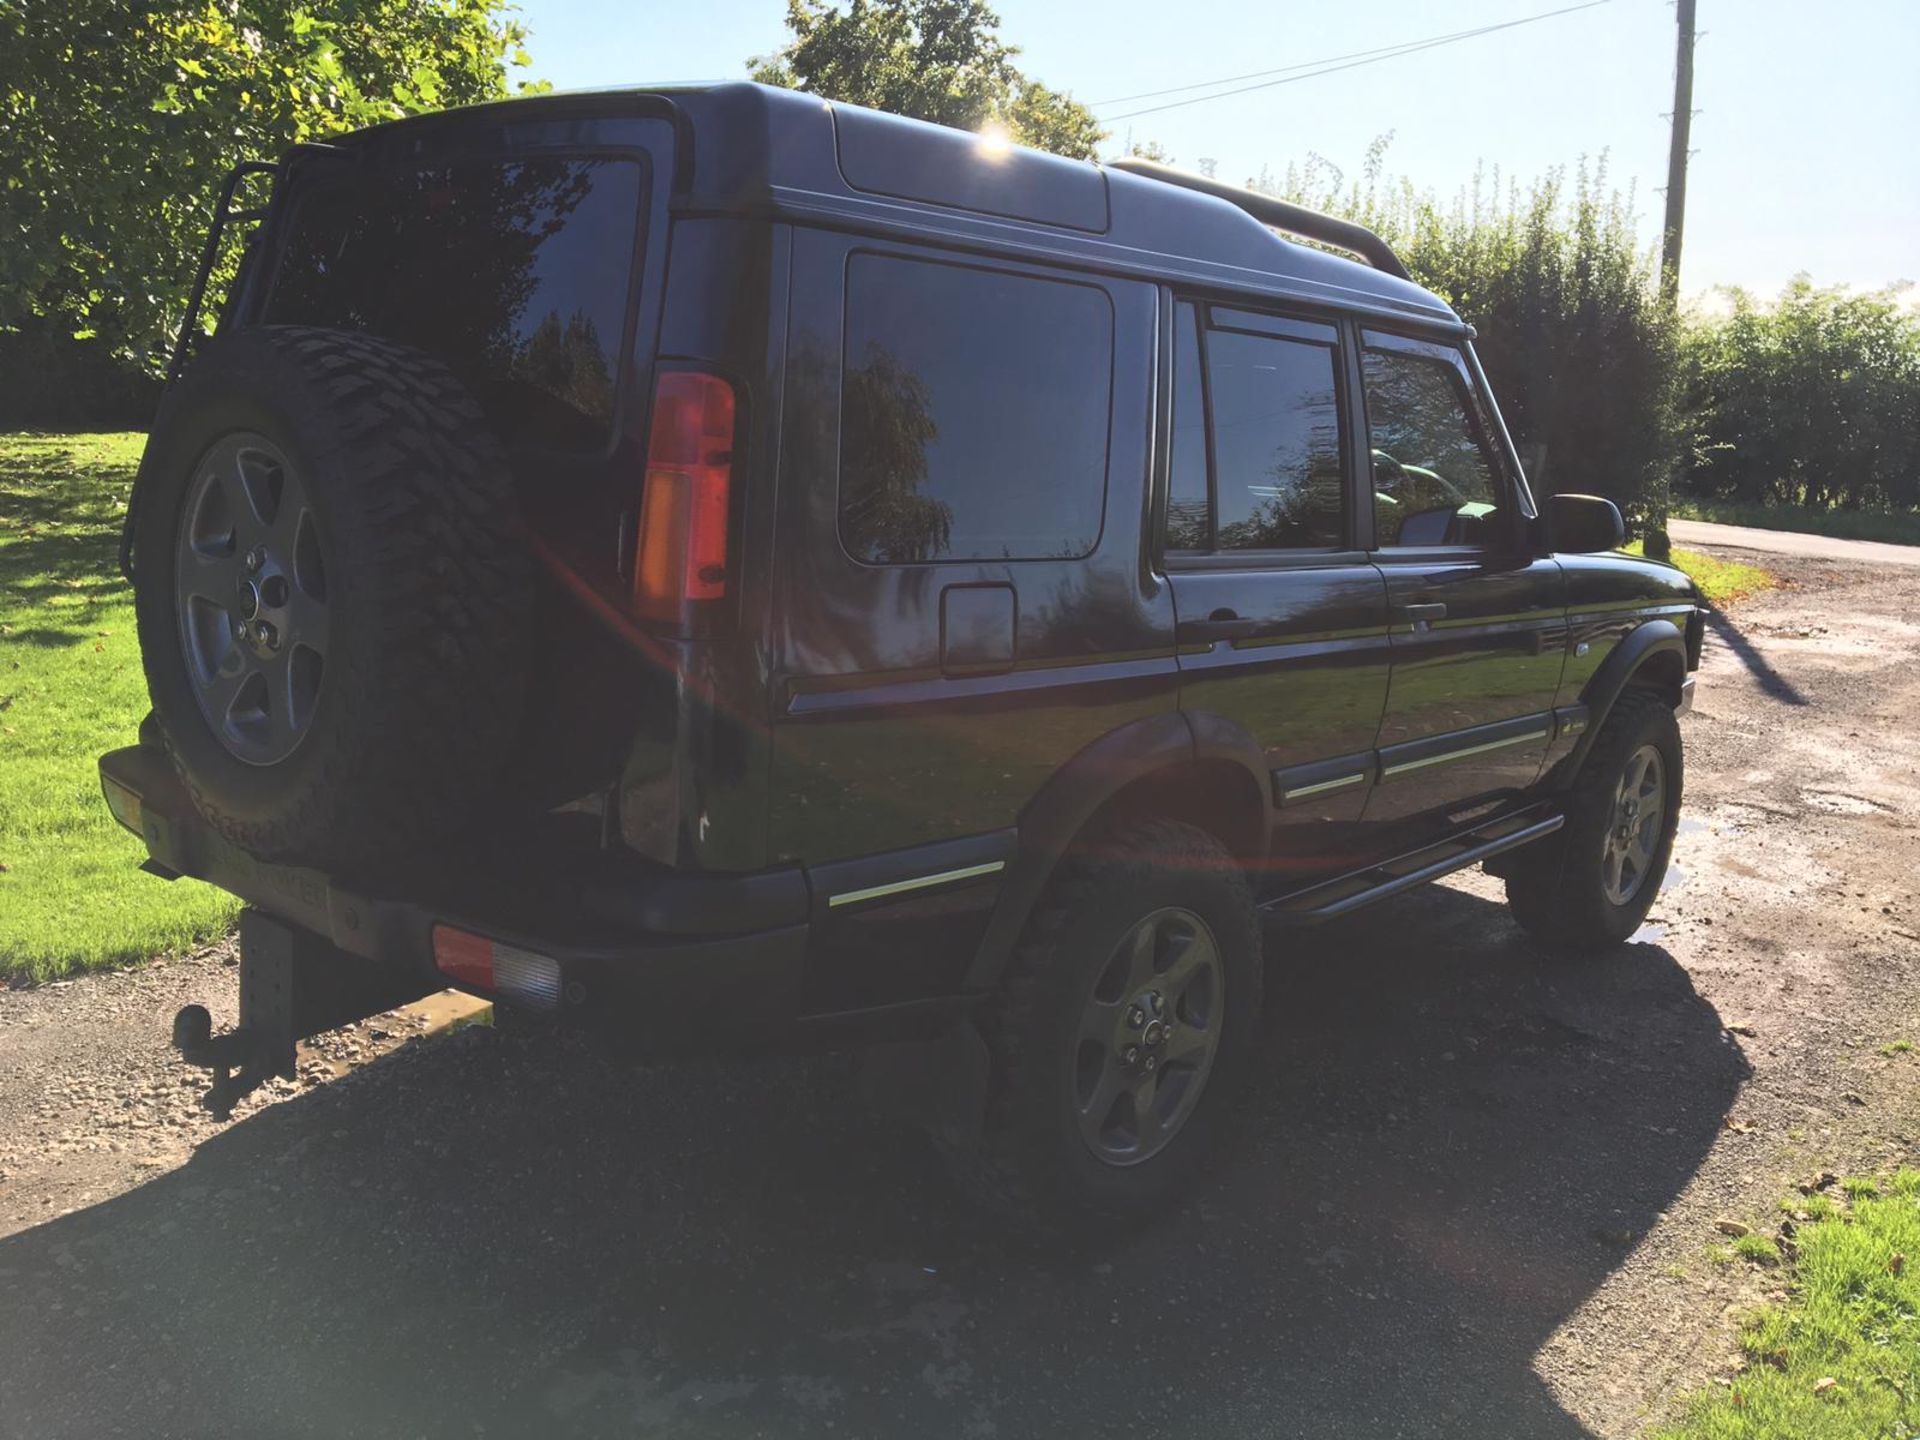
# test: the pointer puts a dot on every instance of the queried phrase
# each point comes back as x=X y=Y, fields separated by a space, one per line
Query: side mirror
x=1584 y=524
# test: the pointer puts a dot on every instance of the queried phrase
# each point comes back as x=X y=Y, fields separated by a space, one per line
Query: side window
x=1434 y=482
x=974 y=414
x=1273 y=435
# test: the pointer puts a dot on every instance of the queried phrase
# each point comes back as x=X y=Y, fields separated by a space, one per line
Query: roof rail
x=1281 y=215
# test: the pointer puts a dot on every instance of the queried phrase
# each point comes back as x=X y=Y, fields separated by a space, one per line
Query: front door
x=1479 y=620
x=1282 y=620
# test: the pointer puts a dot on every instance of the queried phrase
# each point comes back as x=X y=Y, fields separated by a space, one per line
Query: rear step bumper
x=680 y=978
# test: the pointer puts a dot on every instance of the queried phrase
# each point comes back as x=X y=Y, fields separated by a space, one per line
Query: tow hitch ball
x=238 y=1051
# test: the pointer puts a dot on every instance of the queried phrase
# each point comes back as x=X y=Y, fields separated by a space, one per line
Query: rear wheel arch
x=1198 y=769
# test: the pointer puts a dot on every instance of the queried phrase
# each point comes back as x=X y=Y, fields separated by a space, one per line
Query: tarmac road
x=1696 y=533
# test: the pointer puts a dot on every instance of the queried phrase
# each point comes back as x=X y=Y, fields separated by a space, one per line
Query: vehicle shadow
x=1770 y=680
x=1453 y=1144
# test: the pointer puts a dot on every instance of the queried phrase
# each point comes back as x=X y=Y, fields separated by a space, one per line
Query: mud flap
x=293 y=984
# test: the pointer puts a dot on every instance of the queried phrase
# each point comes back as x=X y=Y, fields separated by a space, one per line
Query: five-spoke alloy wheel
x=1126 y=1024
x=251 y=590
x=1148 y=1035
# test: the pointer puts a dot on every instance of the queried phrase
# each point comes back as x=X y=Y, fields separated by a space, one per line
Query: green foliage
x=938 y=60
x=71 y=686
x=1576 y=341
x=1813 y=401
x=1841 y=1360
x=1760 y=1249
x=121 y=117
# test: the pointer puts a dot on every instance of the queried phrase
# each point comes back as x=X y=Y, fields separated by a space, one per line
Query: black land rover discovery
x=712 y=564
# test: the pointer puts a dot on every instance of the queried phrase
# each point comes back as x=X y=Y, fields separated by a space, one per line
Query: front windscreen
x=515 y=273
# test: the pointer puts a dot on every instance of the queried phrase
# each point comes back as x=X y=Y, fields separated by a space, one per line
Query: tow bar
x=293 y=984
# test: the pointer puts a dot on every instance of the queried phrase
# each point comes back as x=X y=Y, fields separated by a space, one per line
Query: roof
x=754 y=149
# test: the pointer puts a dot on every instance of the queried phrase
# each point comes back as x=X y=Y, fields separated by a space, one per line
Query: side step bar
x=1341 y=896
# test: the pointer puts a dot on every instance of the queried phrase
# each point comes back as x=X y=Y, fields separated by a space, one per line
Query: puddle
x=1673 y=879
x=1691 y=826
x=1648 y=935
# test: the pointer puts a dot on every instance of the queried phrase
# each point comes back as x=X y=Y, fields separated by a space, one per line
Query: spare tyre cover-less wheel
x=332 y=591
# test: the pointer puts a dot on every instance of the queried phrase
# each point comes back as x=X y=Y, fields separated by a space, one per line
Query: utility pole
x=1658 y=546
x=1677 y=156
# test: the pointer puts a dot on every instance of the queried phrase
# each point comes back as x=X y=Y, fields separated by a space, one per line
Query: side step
x=1332 y=898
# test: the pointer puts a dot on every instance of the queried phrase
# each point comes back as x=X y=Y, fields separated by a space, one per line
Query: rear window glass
x=974 y=410
x=515 y=273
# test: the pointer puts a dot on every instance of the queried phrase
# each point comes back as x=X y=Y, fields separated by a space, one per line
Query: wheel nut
x=1153 y=1061
x=269 y=637
x=1133 y=1054
x=256 y=557
x=1135 y=1018
x=1156 y=1002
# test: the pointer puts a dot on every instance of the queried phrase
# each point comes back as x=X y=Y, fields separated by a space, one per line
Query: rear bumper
x=662 y=956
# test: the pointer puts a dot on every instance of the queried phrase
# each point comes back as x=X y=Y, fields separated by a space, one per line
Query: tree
x=938 y=60
x=1576 y=341
x=1813 y=400
x=121 y=117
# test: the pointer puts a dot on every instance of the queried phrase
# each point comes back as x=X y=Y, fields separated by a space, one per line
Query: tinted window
x=1276 y=442
x=974 y=412
x=1188 y=521
x=1432 y=479
x=516 y=274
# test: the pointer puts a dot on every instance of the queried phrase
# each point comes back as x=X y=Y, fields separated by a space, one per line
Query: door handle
x=1222 y=624
x=1424 y=614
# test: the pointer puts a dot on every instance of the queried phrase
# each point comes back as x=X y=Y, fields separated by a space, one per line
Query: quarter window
x=1433 y=479
x=974 y=414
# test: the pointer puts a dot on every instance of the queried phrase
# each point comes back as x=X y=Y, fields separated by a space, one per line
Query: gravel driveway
x=1473 y=1196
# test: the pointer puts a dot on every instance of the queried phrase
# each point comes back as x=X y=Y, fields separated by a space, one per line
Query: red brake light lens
x=463 y=957
x=681 y=557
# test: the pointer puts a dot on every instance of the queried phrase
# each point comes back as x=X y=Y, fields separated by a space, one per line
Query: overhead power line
x=1311 y=69
x=1279 y=70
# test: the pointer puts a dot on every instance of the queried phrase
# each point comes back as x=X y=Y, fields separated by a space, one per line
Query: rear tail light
x=681 y=556
x=495 y=966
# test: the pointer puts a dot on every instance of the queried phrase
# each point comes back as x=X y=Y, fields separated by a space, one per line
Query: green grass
x=71 y=687
x=1898 y=527
x=1721 y=581
x=1840 y=1358
x=1896 y=1047
x=1758 y=1248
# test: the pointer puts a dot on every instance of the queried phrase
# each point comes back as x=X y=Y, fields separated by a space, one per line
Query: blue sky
x=1807 y=138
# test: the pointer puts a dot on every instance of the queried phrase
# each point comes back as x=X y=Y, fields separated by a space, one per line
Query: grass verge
x=1721 y=581
x=1895 y=527
x=71 y=687
x=1840 y=1359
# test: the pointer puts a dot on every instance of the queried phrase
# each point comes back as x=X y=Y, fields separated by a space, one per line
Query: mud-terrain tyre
x=360 y=689
x=1080 y=978
x=1588 y=887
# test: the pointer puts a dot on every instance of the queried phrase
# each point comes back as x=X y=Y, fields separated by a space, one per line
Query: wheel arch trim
x=1080 y=789
x=1647 y=643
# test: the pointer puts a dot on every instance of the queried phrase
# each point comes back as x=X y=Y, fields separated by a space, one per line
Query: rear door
x=1282 y=619
x=1479 y=620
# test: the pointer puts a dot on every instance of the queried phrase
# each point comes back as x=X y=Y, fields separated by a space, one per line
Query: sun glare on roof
x=995 y=142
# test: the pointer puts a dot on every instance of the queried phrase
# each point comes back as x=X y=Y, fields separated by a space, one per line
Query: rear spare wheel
x=332 y=592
